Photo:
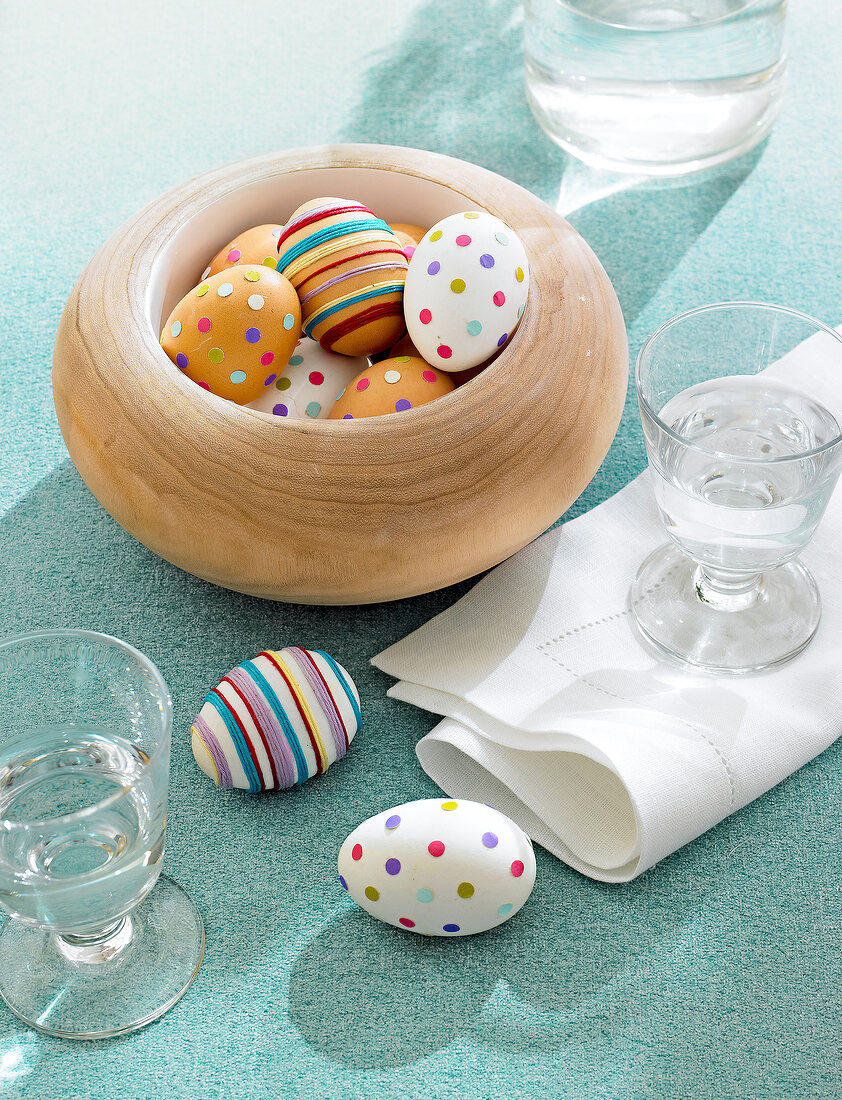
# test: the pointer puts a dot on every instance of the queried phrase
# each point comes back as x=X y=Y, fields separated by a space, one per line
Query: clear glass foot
x=93 y=987
x=721 y=623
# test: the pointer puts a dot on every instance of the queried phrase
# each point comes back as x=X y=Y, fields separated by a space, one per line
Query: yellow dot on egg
x=252 y=276
x=457 y=286
x=465 y=889
x=372 y=893
x=472 y=215
x=435 y=236
x=449 y=805
x=269 y=262
x=216 y=355
x=202 y=291
x=392 y=376
x=401 y=358
x=519 y=274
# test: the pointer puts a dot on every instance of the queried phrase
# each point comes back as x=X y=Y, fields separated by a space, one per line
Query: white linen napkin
x=556 y=715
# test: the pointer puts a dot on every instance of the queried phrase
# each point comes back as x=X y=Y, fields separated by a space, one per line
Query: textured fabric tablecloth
x=717 y=974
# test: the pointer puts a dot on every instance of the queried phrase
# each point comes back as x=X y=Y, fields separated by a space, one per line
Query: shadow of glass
x=639 y=229
x=403 y=997
x=459 y=91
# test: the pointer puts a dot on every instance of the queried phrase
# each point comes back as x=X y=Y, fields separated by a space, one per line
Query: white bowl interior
x=392 y=195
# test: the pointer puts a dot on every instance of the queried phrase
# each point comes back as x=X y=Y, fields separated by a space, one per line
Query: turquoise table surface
x=715 y=975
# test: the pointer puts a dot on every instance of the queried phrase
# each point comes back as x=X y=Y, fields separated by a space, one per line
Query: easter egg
x=466 y=290
x=276 y=720
x=405 y=346
x=392 y=385
x=309 y=383
x=258 y=245
x=348 y=268
x=231 y=332
x=439 y=867
x=409 y=235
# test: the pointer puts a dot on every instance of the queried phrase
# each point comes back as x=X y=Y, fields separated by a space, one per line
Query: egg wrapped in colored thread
x=348 y=268
x=276 y=721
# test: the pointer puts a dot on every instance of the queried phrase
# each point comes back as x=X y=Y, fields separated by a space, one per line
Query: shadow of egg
x=393 y=997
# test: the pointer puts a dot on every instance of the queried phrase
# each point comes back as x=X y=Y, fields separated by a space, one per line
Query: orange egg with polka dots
x=392 y=385
x=234 y=330
x=409 y=235
x=258 y=245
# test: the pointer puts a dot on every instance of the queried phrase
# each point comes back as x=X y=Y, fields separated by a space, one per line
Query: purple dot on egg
x=348 y=416
x=486 y=260
x=252 y=335
x=489 y=840
x=280 y=410
x=270 y=380
x=450 y=927
x=502 y=339
x=181 y=360
x=393 y=866
x=393 y=821
x=402 y=404
x=342 y=882
x=434 y=268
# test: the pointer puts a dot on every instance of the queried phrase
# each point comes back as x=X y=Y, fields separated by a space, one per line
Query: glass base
x=80 y=989
x=762 y=625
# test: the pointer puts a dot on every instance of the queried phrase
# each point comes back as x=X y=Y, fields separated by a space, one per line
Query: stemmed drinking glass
x=743 y=438
x=98 y=942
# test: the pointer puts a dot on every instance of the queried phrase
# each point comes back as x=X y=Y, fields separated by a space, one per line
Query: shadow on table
x=455 y=85
x=402 y=997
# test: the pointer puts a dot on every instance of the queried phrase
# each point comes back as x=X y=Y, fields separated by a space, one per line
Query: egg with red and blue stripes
x=466 y=290
x=439 y=867
x=276 y=720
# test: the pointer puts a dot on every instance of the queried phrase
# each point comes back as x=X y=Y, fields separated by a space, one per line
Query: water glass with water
x=744 y=452
x=97 y=941
x=657 y=87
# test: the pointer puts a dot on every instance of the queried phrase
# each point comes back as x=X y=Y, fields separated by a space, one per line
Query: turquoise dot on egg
x=474 y=328
x=424 y=895
x=313 y=408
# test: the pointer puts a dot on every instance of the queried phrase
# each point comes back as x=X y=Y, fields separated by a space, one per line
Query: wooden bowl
x=337 y=512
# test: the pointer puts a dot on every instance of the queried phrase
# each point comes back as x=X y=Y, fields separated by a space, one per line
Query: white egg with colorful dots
x=466 y=290
x=309 y=383
x=439 y=867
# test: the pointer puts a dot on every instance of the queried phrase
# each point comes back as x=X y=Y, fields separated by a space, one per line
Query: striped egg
x=276 y=720
x=348 y=269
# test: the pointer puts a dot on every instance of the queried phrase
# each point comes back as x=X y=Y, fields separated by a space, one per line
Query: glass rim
x=607 y=22
x=114 y=643
x=713 y=307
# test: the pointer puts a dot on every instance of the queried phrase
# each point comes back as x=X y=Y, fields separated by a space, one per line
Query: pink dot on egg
x=463 y=240
x=409 y=251
x=357 y=851
x=233 y=255
x=267 y=358
x=517 y=868
x=363 y=384
x=499 y=298
x=435 y=848
x=425 y=317
x=204 y=385
x=203 y=324
x=406 y=922
x=429 y=375
x=316 y=377
x=444 y=351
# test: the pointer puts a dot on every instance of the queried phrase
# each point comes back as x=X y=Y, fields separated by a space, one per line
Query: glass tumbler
x=741 y=406
x=658 y=87
x=97 y=942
